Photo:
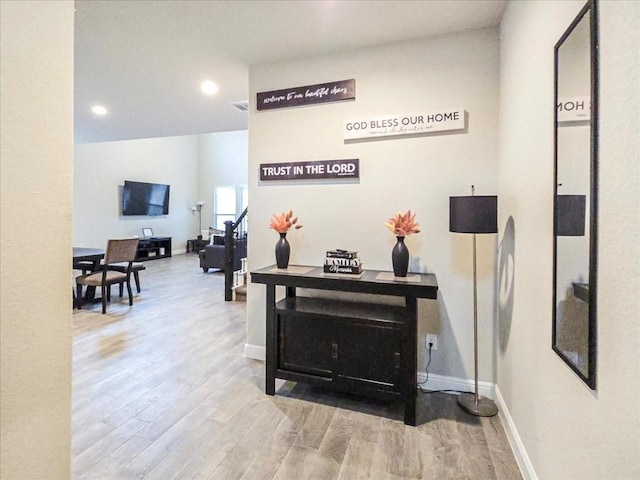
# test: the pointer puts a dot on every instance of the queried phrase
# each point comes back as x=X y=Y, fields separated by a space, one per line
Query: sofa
x=212 y=255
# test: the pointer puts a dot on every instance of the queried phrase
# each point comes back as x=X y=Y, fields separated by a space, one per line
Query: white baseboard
x=442 y=382
x=524 y=463
x=257 y=352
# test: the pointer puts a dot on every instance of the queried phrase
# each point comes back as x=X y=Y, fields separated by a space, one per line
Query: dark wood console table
x=357 y=347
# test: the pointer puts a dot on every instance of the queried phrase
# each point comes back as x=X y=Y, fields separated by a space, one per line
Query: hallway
x=162 y=390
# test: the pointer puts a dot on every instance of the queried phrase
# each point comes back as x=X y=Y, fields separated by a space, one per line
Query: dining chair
x=136 y=268
x=118 y=251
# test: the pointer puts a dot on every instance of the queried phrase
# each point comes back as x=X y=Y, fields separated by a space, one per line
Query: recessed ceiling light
x=209 y=87
x=99 y=110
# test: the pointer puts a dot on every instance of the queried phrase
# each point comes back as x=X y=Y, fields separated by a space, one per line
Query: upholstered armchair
x=212 y=255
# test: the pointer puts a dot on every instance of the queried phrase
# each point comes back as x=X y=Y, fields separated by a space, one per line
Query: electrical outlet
x=432 y=339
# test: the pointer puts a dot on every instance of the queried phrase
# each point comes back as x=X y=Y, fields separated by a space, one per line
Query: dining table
x=94 y=255
x=82 y=254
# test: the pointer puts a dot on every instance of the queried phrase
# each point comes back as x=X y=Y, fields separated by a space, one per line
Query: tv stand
x=153 y=248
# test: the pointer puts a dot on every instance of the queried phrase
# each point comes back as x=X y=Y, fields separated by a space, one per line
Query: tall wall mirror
x=575 y=197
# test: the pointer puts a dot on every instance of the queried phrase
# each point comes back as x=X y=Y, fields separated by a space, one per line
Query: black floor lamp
x=198 y=208
x=474 y=214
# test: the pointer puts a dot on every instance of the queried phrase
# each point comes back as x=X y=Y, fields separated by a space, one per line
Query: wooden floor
x=161 y=390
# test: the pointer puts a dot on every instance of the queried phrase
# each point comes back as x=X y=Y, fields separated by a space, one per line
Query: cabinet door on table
x=369 y=355
x=306 y=345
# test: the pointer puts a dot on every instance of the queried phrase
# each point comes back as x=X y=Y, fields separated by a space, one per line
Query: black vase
x=283 y=249
x=400 y=258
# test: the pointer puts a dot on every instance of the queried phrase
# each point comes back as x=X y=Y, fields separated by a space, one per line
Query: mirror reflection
x=574 y=320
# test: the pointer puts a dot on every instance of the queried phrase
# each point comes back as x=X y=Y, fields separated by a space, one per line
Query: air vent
x=242 y=106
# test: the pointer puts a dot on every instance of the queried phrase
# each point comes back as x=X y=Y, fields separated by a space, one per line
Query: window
x=229 y=202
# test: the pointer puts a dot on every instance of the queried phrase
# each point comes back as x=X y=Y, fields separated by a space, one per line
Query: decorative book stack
x=342 y=261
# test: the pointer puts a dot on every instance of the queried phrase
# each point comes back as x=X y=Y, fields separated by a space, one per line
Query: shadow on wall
x=506 y=277
x=447 y=360
x=433 y=317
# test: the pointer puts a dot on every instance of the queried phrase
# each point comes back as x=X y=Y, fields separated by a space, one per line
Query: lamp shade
x=570 y=213
x=473 y=214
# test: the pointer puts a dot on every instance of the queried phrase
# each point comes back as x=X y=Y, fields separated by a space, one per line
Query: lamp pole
x=475 y=313
x=474 y=403
x=199 y=205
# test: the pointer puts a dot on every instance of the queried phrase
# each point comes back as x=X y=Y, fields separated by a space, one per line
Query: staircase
x=235 y=281
x=240 y=283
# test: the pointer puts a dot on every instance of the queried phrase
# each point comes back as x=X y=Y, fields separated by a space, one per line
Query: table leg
x=271 y=333
x=410 y=362
x=410 y=410
x=90 y=293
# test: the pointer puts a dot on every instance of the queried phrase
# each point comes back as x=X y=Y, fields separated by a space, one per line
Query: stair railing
x=235 y=247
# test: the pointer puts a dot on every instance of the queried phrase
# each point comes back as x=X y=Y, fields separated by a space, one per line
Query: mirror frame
x=590 y=377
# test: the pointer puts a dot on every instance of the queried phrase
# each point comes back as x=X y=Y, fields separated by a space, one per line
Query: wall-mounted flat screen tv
x=140 y=198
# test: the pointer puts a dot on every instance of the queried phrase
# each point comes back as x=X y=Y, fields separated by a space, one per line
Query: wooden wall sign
x=307 y=95
x=318 y=169
x=408 y=124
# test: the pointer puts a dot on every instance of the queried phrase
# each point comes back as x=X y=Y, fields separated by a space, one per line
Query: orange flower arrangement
x=283 y=222
x=402 y=225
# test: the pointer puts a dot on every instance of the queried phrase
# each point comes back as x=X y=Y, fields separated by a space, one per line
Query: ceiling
x=144 y=60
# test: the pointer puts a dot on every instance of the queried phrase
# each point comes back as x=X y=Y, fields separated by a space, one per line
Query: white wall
x=567 y=431
x=35 y=314
x=418 y=173
x=191 y=164
x=100 y=170
x=224 y=159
